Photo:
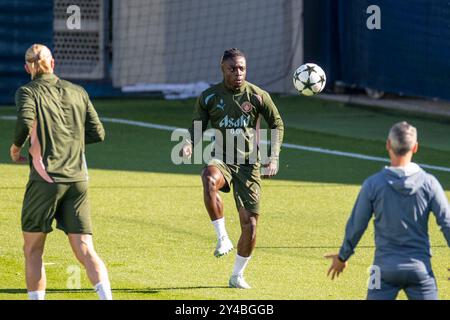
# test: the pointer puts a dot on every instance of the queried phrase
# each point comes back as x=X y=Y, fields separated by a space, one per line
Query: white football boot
x=238 y=281
x=223 y=247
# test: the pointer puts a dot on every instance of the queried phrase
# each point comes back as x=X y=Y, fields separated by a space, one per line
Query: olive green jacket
x=59 y=119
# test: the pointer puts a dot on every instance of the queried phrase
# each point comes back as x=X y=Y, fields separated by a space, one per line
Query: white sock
x=240 y=264
x=219 y=226
x=103 y=290
x=36 y=295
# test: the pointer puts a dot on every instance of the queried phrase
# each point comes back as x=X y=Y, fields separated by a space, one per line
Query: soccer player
x=233 y=107
x=59 y=119
x=400 y=198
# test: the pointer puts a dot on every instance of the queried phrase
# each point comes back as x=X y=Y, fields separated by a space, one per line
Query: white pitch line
x=8 y=118
x=285 y=145
x=140 y=124
x=357 y=156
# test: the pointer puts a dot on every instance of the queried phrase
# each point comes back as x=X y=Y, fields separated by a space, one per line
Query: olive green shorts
x=67 y=203
x=246 y=182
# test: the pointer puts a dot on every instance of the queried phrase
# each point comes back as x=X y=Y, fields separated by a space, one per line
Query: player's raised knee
x=210 y=183
x=210 y=180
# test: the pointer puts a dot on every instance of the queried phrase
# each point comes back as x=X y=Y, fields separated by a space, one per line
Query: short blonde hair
x=38 y=58
x=403 y=138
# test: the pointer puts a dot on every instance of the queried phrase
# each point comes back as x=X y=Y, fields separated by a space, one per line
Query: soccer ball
x=309 y=79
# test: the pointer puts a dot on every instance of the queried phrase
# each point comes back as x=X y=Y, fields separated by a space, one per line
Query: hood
x=405 y=180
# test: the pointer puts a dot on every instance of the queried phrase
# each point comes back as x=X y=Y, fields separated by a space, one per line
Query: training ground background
x=153 y=232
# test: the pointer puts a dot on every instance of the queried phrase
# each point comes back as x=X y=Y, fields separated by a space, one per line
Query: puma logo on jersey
x=221 y=105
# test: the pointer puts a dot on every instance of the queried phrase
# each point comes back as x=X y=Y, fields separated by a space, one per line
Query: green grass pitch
x=152 y=229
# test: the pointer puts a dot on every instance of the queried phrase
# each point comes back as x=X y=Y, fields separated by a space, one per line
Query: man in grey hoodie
x=400 y=198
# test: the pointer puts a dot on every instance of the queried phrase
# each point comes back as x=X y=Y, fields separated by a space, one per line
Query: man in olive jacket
x=59 y=119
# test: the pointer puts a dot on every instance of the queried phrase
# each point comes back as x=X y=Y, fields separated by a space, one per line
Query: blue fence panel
x=409 y=54
x=22 y=23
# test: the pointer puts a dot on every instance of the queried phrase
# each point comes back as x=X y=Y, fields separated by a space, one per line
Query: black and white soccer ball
x=309 y=79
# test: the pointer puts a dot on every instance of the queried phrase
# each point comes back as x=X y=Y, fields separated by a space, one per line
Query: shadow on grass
x=120 y=290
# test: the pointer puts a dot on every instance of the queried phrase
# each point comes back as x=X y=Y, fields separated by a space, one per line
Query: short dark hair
x=232 y=53
x=403 y=137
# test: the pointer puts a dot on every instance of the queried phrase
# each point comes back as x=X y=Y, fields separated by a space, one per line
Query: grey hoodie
x=400 y=200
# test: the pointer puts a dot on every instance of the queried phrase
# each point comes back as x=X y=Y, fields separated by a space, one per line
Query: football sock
x=240 y=264
x=103 y=290
x=36 y=295
x=219 y=226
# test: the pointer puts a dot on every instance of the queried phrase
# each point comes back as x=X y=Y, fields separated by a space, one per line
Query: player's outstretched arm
x=16 y=157
x=337 y=265
x=200 y=119
x=94 y=131
x=356 y=226
x=186 y=150
x=26 y=115
x=275 y=123
x=441 y=209
x=270 y=169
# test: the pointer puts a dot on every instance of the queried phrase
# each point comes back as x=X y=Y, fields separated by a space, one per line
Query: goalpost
x=169 y=43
